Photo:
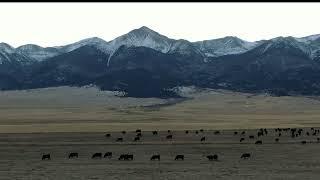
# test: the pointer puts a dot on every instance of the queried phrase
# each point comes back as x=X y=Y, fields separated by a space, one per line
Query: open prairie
x=58 y=121
x=20 y=156
x=68 y=109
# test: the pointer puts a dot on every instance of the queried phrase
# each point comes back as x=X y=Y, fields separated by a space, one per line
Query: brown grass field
x=89 y=110
x=63 y=120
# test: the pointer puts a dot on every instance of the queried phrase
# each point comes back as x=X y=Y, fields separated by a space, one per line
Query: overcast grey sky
x=52 y=24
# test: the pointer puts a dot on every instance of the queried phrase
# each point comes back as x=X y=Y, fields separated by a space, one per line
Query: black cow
x=217 y=132
x=123 y=132
x=96 y=155
x=108 y=135
x=243 y=133
x=197 y=132
x=212 y=157
x=245 y=155
x=46 y=156
x=235 y=133
x=251 y=137
x=119 y=139
x=242 y=139
x=201 y=130
x=169 y=137
x=107 y=155
x=73 y=155
x=138 y=131
x=279 y=134
x=154 y=132
x=136 y=139
x=258 y=142
x=187 y=132
x=155 y=157
x=169 y=131
x=126 y=157
x=139 y=135
x=179 y=157
x=277 y=139
x=314 y=134
x=203 y=139
x=303 y=142
x=265 y=131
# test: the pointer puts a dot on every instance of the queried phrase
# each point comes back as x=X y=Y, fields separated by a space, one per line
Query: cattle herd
x=279 y=132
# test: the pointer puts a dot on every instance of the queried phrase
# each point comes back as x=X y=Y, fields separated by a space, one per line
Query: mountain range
x=144 y=63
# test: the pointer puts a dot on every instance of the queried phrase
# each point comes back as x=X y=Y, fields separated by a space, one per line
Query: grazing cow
x=107 y=155
x=217 y=132
x=242 y=139
x=46 y=156
x=108 y=135
x=96 y=155
x=136 y=139
x=203 y=139
x=260 y=134
x=201 y=130
x=258 y=142
x=314 y=134
x=277 y=139
x=243 y=133
x=123 y=132
x=139 y=135
x=235 y=133
x=251 y=137
x=279 y=134
x=308 y=134
x=169 y=136
x=155 y=157
x=154 y=132
x=169 y=131
x=181 y=157
x=197 y=132
x=73 y=155
x=303 y=142
x=245 y=155
x=122 y=157
x=119 y=139
x=126 y=157
x=212 y=157
x=318 y=139
x=187 y=132
x=265 y=131
x=138 y=131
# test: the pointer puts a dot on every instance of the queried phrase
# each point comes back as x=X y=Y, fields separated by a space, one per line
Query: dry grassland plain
x=70 y=109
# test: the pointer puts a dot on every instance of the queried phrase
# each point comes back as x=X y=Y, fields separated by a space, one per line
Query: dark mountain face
x=144 y=72
x=77 y=67
x=144 y=63
x=271 y=66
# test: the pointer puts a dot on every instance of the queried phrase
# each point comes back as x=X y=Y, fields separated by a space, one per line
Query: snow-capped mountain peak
x=309 y=39
x=142 y=37
x=93 y=41
x=224 y=46
x=4 y=47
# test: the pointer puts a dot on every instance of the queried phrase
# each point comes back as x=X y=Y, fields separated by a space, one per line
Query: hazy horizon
x=56 y=24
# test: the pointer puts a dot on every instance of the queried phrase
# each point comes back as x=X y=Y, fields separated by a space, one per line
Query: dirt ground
x=20 y=156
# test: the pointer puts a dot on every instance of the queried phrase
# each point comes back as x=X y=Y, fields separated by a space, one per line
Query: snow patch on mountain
x=142 y=37
x=36 y=52
x=224 y=46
